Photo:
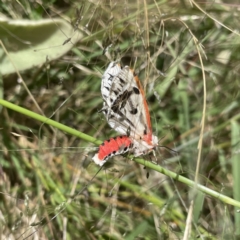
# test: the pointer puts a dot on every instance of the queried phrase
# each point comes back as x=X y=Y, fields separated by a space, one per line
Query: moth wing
x=107 y=79
x=125 y=106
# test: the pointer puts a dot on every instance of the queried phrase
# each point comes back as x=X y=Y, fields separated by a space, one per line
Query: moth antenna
x=171 y=150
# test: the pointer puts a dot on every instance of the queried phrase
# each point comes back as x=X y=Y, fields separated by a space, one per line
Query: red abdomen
x=112 y=147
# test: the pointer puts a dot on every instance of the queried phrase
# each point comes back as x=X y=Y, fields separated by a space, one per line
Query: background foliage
x=50 y=189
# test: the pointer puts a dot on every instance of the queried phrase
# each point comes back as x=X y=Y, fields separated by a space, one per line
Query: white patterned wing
x=125 y=106
x=107 y=79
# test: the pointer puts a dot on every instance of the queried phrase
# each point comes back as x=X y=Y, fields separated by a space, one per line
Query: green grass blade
x=235 y=130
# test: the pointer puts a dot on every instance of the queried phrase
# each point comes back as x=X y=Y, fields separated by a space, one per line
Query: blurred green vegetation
x=49 y=187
